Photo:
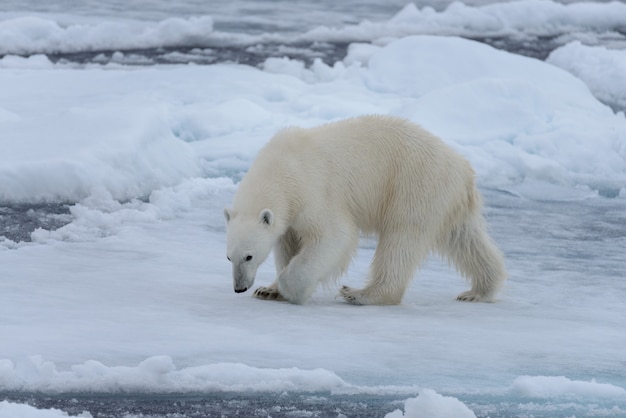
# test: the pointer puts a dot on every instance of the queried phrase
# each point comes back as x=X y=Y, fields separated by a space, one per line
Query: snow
x=431 y=404
x=159 y=374
x=136 y=130
x=126 y=134
x=30 y=34
x=135 y=293
x=525 y=19
x=602 y=69
x=14 y=410
x=539 y=116
x=559 y=386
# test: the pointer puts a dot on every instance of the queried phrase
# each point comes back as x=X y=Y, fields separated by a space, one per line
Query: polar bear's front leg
x=325 y=258
x=298 y=280
x=287 y=247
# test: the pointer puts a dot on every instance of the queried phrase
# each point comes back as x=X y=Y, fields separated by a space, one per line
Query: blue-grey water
x=290 y=405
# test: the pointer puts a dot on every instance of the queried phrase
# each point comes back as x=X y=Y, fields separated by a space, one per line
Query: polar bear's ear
x=266 y=217
x=227 y=214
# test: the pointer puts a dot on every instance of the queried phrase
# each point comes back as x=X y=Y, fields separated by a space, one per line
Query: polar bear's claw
x=350 y=295
x=471 y=296
x=268 y=293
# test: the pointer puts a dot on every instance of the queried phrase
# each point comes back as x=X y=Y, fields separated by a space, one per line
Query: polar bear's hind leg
x=395 y=261
x=477 y=258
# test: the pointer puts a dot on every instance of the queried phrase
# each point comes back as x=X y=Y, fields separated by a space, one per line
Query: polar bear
x=311 y=192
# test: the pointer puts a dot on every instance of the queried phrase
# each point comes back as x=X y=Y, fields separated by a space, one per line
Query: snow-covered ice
x=602 y=69
x=431 y=404
x=137 y=129
x=16 y=410
x=134 y=294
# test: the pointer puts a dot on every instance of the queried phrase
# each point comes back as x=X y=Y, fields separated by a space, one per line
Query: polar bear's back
x=377 y=168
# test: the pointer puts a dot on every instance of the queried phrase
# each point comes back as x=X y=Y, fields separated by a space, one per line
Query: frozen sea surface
x=550 y=346
x=124 y=133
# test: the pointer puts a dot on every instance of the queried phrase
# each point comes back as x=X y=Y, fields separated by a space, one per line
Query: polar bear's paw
x=471 y=296
x=352 y=296
x=268 y=293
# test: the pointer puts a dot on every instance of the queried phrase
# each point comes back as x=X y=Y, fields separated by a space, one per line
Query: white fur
x=374 y=174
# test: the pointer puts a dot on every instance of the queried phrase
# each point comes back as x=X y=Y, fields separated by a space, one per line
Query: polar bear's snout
x=241 y=286
x=242 y=279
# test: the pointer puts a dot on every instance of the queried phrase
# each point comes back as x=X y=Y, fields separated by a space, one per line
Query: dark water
x=216 y=405
x=255 y=54
x=18 y=220
x=294 y=405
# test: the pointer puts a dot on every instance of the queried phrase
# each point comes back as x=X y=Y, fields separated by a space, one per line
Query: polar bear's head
x=249 y=241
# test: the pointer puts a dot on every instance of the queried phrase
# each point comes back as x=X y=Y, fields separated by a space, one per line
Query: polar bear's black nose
x=241 y=290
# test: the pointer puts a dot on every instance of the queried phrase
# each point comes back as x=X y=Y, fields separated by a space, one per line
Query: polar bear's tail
x=470 y=248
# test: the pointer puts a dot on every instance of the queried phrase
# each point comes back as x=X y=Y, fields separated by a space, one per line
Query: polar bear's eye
x=248 y=257
x=228 y=258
